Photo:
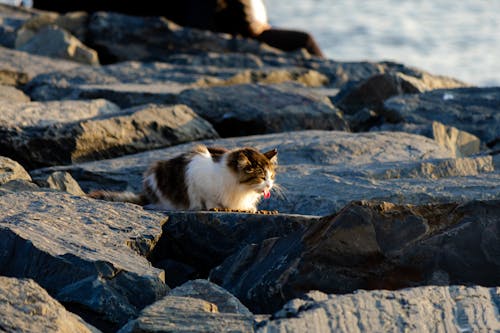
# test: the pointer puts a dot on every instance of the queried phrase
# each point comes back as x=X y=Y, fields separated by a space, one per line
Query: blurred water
x=455 y=38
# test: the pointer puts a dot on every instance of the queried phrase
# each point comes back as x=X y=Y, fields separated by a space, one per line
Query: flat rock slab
x=53 y=133
x=321 y=171
x=474 y=110
x=257 y=109
x=369 y=245
x=134 y=83
x=17 y=67
x=26 y=307
x=423 y=309
x=88 y=254
x=187 y=314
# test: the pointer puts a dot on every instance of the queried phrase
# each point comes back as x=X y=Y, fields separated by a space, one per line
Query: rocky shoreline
x=389 y=208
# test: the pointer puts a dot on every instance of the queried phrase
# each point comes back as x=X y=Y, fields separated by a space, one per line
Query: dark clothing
x=228 y=16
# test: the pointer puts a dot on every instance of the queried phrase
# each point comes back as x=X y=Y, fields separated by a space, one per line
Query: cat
x=205 y=178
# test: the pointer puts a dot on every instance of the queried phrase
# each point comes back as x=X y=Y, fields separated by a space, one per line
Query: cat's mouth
x=267 y=193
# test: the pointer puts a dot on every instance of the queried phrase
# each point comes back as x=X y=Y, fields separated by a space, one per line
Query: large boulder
x=53 y=133
x=321 y=171
x=256 y=109
x=26 y=307
x=89 y=255
x=203 y=240
x=369 y=245
x=423 y=309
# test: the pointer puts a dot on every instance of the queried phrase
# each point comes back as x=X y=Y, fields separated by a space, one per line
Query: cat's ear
x=272 y=155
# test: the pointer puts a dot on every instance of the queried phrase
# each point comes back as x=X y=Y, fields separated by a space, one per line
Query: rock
x=55 y=42
x=10 y=170
x=132 y=83
x=369 y=245
x=473 y=110
x=10 y=94
x=71 y=131
x=73 y=22
x=204 y=239
x=372 y=92
x=205 y=290
x=11 y=19
x=186 y=314
x=321 y=171
x=423 y=309
x=460 y=143
x=88 y=254
x=62 y=181
x=26 y=307
x=17 y=67
x=18 y=185
x=119 y=37
x=256 y=109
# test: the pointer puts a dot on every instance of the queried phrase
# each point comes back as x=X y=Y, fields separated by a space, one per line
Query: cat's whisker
x=279 y=190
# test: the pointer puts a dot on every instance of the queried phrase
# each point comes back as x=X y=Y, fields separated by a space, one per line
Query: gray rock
x=133 y=83
x=256 y=109
x=423 y=309
x=62 y=181
x=11 y=19
x=204 y=239
x=460 y=143
x=186 y=314
x=10 y=94
x=55 y=42
x=26 y=307
x=205 y=290
x=122 y=37
x=73 y=22
x=322 y=171
x=473 y=110
x=53 y=133
x=10 y=170
x=372 y=92
x=369 y=245
x=88 y=254
x=17 y=67
x=18 y=185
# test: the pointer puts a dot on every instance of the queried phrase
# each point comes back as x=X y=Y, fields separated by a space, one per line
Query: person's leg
x=290 y=40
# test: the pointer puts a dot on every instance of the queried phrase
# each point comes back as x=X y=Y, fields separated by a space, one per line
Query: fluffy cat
x=205 y=178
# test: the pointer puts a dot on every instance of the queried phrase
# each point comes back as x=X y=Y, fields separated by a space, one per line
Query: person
x=246 y=18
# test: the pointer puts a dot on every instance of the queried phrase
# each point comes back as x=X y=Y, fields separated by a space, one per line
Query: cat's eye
x=249 y=170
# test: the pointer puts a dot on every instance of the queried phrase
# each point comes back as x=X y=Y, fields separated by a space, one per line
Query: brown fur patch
x=170 y=178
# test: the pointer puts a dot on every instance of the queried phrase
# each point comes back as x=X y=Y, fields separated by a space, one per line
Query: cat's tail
x=135 y=198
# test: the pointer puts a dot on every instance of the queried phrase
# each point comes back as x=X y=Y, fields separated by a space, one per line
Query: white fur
x=214 y=185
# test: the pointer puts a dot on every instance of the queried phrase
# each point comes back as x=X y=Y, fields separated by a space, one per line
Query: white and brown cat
x=205 y=178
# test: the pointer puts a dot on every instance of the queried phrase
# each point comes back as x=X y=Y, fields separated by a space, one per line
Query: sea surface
x=460 y=39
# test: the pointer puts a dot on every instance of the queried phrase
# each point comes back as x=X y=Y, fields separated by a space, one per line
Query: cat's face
x=254 y=169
